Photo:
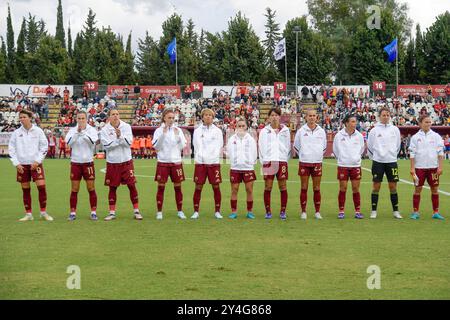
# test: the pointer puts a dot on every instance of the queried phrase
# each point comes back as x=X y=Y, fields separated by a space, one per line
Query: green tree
x=60 y=33
x=212 y=73
x=436 y=46
x=243 y=53
x=69 y=42
x=340 y=21
x=273 y=36
x=50 y=62
x=33 y=35
x=147 y=60
x=128 y=74
x=21 y=70
x=3 y=61
x=11 y=50
x=315 y=54
x=410 y=70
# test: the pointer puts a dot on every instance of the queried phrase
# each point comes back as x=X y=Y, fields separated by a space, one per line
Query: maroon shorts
x=310 y=169
x=80 y=171
x=119 y=173
x=29 y=174
x=430 y=175
x=173 y=170
x=343 y=174
x=212 y=171
x=238 y=176
x=275 y=168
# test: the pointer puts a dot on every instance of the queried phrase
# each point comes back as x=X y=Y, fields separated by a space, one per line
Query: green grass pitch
x=210 y=259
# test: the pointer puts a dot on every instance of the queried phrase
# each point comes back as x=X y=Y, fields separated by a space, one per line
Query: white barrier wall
x=34 y=90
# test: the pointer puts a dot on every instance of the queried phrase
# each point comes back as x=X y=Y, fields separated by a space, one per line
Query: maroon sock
x=250 y=206
x=284 y=200
x=357 y=201
x=112 y=198
x=179 y=198
x=217 y=198
x=233 y=205
x=27 y=199
x=93 y=200
x=73 y=201
x=160 y=197
x=435 y=202
x=42 y=198
x=341 y=201
x=133 y=195
x=416 y=202
x=303 y=199
x=197 y=197
x=317 y=200
x=267 y=200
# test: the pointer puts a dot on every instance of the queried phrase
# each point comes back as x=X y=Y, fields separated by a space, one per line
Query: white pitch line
x=401 y=180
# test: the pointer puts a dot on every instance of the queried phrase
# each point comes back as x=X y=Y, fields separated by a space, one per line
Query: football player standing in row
x=27 y=149
x=242 y=152
x=310 y=143
x=169 y=142
x=116 y=138
x=427 y=155
x=348 y=148
x=82 y=140
x=208 y=146
x=383 y=144
x=274 y=153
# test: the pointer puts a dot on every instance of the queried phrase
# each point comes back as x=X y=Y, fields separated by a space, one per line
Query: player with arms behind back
x=383 y=145
x=243 y=154
x=116 y=138
x=310 y=143
x=82 y=139
x=27 y=148
x=274 y=152
x=348 y=147
x=169 y=141
x=426 y=154
x=208 y=144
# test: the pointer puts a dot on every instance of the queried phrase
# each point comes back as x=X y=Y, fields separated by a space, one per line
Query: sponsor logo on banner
x=405 y=90
x=34 y=91
x=146 y=91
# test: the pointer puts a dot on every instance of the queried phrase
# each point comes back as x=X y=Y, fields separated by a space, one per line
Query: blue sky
x=139 y=16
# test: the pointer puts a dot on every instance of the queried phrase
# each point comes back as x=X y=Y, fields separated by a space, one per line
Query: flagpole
x=176 y=63
x=285 y=67
x=396 y=63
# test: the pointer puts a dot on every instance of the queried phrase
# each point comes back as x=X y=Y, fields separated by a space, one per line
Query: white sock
x=136 y=211
x=93 y=212
x=73 y=213
x=112 y=213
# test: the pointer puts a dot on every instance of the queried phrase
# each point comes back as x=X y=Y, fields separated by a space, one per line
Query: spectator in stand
x=126 y=92
x=447 y=146
x=49 y=91
x=447 y=92
x=314 y=92
x=51 y=146
x=187 y=92
x=45 y=109
x=137 y=91
x=85 y=93
x=66 y=94
x=305 y=92
x=62 y=147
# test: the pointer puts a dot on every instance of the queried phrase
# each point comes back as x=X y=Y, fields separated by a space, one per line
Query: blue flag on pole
x=172 y=50
x=391 y=50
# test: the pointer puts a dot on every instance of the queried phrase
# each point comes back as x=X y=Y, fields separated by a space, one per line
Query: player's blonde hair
x=207 y=110
x=166 y=112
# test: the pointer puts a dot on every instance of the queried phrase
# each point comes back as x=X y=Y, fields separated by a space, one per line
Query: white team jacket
x=384 y=143
x=425 y=149
x=310 y=144
x=169 y=145
x=273 y=146
x=242 y=152
x=82 y=144
x=27 y=146
x=208 y=144
x=348 y=149
x=117 y=149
